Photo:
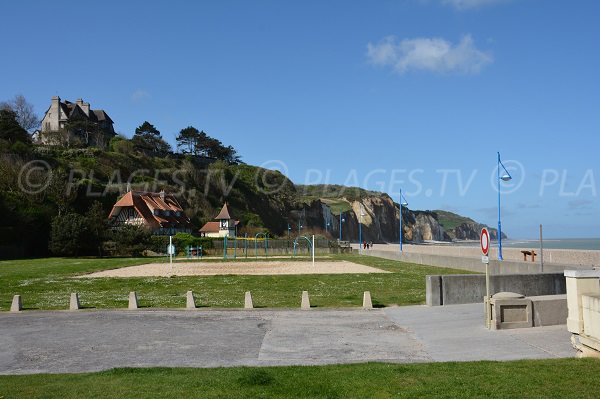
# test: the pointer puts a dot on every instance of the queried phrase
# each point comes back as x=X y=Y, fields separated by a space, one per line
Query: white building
x=225 y=225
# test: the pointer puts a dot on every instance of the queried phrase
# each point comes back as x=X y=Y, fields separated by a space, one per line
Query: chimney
x=162 y=195
x=128 y=187
x=85 y=107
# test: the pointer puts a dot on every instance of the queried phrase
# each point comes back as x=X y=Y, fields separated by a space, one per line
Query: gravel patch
x=240 y=268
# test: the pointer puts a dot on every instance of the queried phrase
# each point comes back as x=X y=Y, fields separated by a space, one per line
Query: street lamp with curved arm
x=505 y=177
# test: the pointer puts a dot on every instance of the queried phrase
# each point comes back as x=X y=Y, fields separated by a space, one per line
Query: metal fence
x=264 y=247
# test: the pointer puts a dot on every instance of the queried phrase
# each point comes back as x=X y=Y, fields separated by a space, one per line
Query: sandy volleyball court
x=248 y=268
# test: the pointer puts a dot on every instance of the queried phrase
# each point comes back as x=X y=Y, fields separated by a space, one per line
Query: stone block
x=133 y=300
x=17 y=304
x=190 y=303
x=305 y=301
x=579 y=282
x=248 y=304
x=367 y=303
x=511 y=313
x=591 y=315
x=74 y=301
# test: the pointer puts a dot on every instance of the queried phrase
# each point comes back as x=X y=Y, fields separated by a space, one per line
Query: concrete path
x=60 y=342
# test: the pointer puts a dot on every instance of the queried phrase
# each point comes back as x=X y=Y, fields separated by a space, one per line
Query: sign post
x=484 y=241
x=171 y=252
x=313 y=250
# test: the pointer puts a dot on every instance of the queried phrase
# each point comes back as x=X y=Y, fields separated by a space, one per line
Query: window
x=156 y=212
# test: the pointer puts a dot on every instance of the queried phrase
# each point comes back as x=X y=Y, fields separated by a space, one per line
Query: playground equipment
x=192 y=252
x=296 y=244
x=266 y=238
x=226 y=239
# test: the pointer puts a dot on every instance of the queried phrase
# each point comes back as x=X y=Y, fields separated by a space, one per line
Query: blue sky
x=418 y=94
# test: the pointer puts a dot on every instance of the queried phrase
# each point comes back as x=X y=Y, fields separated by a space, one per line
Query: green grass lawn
x=557 y=378
x=47 y=284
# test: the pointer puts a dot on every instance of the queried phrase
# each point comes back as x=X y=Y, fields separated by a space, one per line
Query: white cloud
x=138 y=95
x=469 y=4
x=429 y=54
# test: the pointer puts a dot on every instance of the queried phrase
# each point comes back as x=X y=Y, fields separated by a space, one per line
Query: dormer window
x=167 y=213
x=178 y=213
x=157 y=212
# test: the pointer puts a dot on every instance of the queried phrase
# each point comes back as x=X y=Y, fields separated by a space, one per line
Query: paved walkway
x=60 y=342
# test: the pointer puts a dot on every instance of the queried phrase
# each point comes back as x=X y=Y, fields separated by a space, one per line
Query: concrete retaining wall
x=473 y=263
x=454 y=289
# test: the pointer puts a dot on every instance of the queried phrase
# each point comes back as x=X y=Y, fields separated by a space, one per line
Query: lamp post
x=505 y=177
x=342 y=220
x=405 y=203
x=362 y=213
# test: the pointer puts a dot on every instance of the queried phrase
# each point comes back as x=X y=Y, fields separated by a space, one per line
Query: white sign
x=484 y=241
x=485 y=259
x=171 y=249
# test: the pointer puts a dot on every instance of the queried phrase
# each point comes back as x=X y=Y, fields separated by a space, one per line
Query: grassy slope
x=450 y=220
x=558 y=378
x=47 y=284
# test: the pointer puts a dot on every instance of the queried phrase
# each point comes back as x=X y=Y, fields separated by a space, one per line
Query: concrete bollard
x=305 y=301
x=16 y=305
x=133 y=300
x=190 y=302
x=248 y=301
x=74 y=302
x=367 y=303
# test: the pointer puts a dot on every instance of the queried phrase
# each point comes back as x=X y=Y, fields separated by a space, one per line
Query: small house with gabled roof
x=159 y=212
x=223 y=226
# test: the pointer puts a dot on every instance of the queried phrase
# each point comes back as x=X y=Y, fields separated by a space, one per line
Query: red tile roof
x=224 y=214
x=146 y=203
x=210 y=227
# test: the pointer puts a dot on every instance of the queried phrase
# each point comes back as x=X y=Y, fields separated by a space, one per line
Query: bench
x=526 y=253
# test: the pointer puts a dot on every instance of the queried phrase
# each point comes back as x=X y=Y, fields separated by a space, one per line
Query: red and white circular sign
x=484 y=240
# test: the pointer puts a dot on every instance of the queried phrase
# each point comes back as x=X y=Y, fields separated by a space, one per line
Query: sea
x=556 y=243
x=549 y=243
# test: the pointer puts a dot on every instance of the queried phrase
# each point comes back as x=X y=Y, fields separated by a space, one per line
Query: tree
x=26 y=117
x=10 y=130
x=147 y=139
x=188 y=139
x=68 y=234
x=132 y=240
x=98 y=226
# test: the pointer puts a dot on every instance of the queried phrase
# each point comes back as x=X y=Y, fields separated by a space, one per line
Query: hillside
x=38 y=183
x=463 y=228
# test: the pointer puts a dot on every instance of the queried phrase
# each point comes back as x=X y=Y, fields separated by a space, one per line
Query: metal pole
x=313 y=250
x=341 y=226
x=541 y=249
x=487 y=295
x=499 y=223
x=171 y=254
x=401 y=221
x=360 y=233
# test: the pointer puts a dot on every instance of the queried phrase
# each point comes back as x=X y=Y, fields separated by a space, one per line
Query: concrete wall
x=470 y=288
x=569 y=257
x=472 y=263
